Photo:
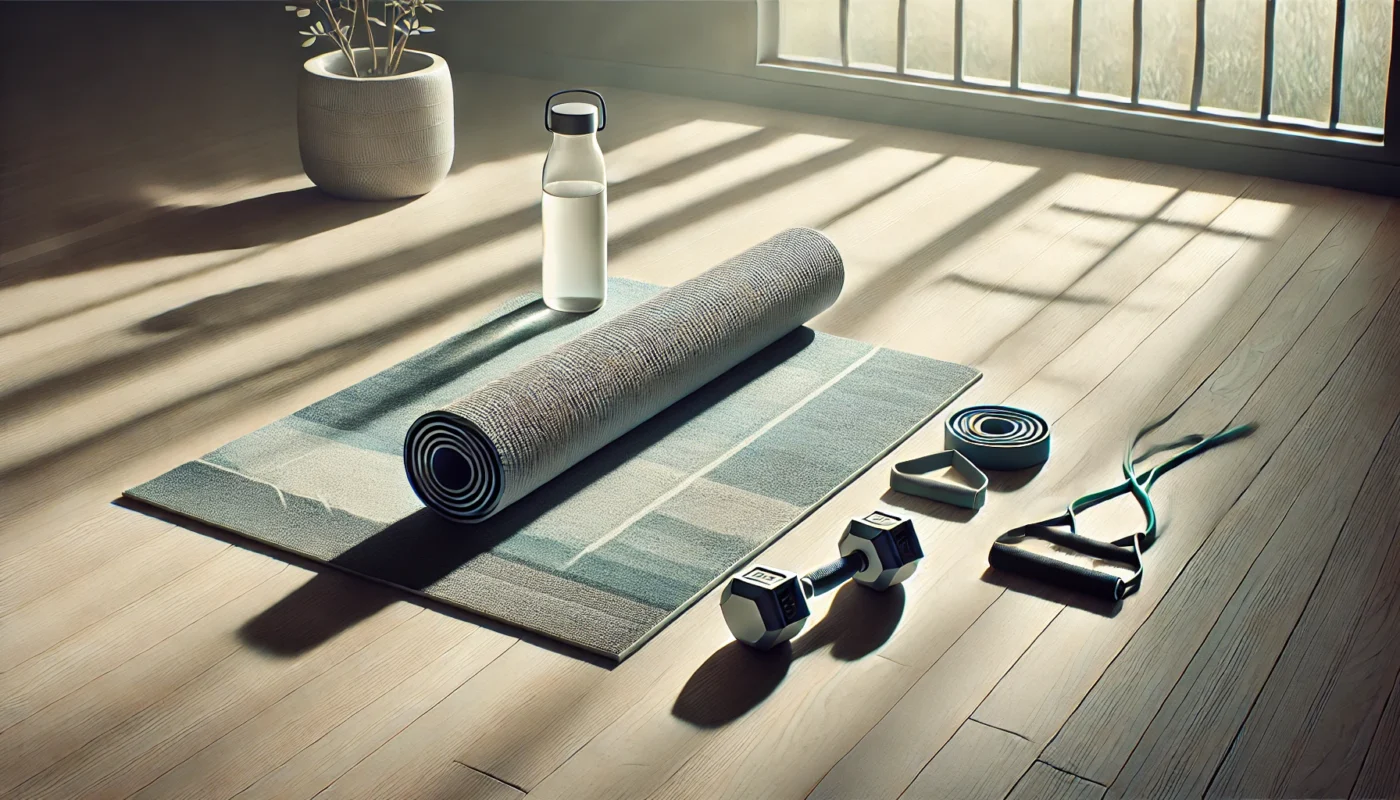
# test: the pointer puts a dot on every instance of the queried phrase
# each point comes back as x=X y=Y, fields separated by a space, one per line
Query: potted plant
x=374 y=122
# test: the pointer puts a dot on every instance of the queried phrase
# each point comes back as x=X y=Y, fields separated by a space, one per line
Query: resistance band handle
x=1006 y=555
x=825 y=578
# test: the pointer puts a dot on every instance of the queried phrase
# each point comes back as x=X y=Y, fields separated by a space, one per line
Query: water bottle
x=575 y=206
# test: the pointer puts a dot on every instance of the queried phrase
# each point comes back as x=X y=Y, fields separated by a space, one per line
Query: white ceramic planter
x=375 y=138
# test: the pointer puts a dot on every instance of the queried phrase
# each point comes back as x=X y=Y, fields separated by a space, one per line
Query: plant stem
x=403 y=45
x=369 y=33
x=389 y=47
x=338 y=36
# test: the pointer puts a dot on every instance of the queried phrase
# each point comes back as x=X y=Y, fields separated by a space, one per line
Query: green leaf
x=319 y=27
x=303 y=12
x=426 y=29
x=306 y=33
x=309 y=42
x=377 y=21
x=290 y=8
x=434 y=6
x=415 y=24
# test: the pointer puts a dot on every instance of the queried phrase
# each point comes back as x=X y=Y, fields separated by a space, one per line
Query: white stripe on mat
x=713 y=465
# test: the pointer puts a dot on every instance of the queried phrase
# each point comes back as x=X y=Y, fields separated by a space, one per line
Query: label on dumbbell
x=882 y=520
x=763 y=576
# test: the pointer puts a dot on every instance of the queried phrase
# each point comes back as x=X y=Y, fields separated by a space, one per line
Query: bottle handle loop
x=602 y=107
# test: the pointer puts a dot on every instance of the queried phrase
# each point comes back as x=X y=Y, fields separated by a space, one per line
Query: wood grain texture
x=314 y=768
x=1096 y=740
x=1033 y=701
x=126 y=578
x=1318 y=711
x=137 y=630
x=1044 y=781
x=1162 y=351
x=979 y=763
x=1184 y=744
x=175 y=299
x=1380 y=773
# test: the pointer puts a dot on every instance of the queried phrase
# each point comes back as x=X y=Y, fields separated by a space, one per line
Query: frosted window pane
x=930 y=28
x=1168 y=50
x=987 y=39
x=1365 y=62
x=809 y=29
x=1234 y=70
x=1045 y=42
x=874 y=32
x=1303 y=35
x=1106 y=54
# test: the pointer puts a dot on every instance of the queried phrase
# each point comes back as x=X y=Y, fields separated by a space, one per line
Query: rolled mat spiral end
x=453 y=467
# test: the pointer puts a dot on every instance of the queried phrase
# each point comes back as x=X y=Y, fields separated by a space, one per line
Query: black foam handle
x=827 y=577
x=1006 y=555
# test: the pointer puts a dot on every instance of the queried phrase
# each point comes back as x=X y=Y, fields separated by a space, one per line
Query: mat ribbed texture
x=488 y=449
x=608 y=552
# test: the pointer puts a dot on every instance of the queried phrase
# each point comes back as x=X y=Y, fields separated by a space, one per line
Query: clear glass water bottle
x=575 y=206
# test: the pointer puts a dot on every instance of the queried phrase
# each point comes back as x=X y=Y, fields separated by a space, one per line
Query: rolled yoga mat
x=608 y=552
x=488 y=449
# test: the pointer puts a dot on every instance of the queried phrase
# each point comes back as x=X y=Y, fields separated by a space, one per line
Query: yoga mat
x=492 y=447
x=608 y=552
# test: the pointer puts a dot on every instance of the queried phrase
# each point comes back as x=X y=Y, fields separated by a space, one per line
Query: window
x=1317 y=67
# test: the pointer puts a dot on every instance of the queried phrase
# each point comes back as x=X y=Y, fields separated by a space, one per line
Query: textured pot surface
x=375 y=138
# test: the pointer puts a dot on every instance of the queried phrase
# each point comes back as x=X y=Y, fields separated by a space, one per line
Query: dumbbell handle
x=825 y=578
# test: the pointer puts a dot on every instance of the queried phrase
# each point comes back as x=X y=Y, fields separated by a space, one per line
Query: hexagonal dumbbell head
x=891 y=548
x=764 y=607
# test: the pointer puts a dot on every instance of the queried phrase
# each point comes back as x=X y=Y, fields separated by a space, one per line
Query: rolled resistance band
x=486 y=450
x=1008 y=554
x=999 y=437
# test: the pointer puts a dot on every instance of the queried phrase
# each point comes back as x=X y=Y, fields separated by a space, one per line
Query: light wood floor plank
x=126 y=578
x=1380 y=773
x=352 y=741
x=142 y=747
x=1096 y=429
x=102 y=704
x=1044 y=782
x=1185 y=743
x=37 y=561
x=1318 y=711
x=1034 y=702
x=301 y=718
x=979 y=763
x=1096 y=739
x=129 y=634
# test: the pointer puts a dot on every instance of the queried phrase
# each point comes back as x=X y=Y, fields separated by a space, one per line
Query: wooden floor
x=161 y=295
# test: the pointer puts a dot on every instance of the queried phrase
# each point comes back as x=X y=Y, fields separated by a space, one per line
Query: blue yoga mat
x=608 y=552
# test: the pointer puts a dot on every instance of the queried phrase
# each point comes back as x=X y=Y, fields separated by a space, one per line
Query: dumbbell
x=766 y=606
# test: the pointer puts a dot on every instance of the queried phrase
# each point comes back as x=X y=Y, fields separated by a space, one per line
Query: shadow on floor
x=266 y=219
x=736 y=679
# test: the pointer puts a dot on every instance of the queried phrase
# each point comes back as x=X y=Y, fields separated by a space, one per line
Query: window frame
x=971 y=108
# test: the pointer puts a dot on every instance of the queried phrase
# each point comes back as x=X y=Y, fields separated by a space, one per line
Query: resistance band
x=1007 y=554
x=999 y=437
